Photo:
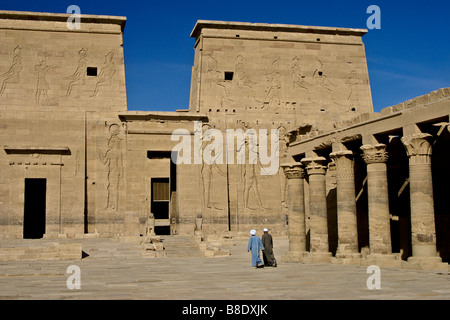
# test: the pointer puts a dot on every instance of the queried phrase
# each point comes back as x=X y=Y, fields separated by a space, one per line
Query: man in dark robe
x=268 y=257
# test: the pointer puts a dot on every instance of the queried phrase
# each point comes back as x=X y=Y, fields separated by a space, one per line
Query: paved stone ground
x=115 y=270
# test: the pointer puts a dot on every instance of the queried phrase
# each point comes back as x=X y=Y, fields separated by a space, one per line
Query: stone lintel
x=62 y=17
x=147 y=116
x=36 y=149
x=341 y=153
x=212 y=24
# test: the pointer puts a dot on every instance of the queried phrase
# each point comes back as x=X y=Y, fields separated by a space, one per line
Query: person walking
x=255 y=245
x=268 y=256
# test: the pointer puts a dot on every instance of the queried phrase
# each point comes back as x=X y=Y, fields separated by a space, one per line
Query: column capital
x=418 y=147
x=293 y=170
x=344 y=163
x=374 y=153
x=315 y=165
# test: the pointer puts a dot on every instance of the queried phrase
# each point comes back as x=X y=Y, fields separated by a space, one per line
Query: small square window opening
x=91 y=71
x=229 y=75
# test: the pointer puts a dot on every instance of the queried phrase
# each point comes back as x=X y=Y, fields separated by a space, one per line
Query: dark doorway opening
x=34 y=209
x=160 y=204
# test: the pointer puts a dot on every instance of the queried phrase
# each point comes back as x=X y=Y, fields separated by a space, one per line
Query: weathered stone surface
x=42 y=251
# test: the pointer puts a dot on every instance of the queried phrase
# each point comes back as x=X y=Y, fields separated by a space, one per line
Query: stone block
x=293 y=257
x=425 y=263
x=382 y=260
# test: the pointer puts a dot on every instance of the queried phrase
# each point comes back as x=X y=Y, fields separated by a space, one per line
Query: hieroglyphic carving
x=79 y=75
x=12 y=75
x=36 y=157
x=77 y=160
x=106 y=73
x=42 y=86
x=112 y=159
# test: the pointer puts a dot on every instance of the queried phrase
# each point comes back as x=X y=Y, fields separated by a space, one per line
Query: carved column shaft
x=317 y=204
x=423 y=230
x=346 y=203
x=378 y=199
x=296 y=208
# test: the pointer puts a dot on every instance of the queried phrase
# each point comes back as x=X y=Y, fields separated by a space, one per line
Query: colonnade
x=423 y=232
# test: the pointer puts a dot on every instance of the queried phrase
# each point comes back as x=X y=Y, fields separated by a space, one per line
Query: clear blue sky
x=409 y=56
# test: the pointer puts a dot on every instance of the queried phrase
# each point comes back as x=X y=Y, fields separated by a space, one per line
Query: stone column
x=296 y=212
x=375 y=157
x=319 y=248
x=347 y=251
x=423 y=229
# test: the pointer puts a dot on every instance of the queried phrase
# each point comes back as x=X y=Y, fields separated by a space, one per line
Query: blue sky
x=408 y=57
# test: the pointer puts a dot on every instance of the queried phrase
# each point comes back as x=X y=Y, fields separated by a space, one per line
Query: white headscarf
x=253 y=232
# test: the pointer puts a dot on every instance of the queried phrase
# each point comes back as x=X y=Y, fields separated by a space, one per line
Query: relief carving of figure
x=242 y=80
x=106 y=73
x=324 y=87
x=208 y=173
x=351 y=83
x=251 y=187
x=252 y=193
x=42 y=87
x=217 y=77
x=273 y=92
x=112 y=159
x=297 y=76
x=79 y=76
x=12 y=75
x=283 y=145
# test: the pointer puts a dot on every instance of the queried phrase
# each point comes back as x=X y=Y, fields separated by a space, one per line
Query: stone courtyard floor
x=115 y=269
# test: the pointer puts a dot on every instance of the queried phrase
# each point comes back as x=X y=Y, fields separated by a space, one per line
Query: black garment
x=268 y=256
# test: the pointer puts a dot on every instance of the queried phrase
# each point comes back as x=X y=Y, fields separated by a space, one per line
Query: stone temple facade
x=76 y=162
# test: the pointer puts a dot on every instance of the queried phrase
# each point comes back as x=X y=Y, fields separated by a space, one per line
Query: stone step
x=25 y=250
x=181 y=246
x=107 y=248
